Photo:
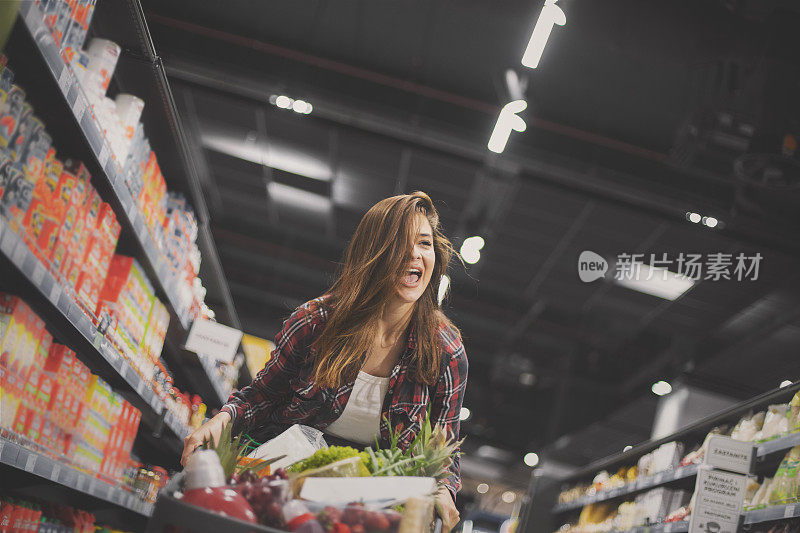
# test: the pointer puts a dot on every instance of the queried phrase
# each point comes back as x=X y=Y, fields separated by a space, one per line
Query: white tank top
x=361 y=418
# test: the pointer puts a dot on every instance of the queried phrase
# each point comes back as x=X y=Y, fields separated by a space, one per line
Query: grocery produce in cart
x=325 y=489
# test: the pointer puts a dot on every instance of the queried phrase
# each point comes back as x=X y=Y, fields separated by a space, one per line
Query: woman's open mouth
x=412 y=277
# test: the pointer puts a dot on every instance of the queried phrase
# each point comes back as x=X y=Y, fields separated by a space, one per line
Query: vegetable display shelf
x=70 y=319
x=25 y=458
x=770 y=514
x=69 y=109
x=645 y=483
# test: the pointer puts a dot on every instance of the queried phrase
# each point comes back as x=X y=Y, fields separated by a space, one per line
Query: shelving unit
x=69 y=111
x=60 y=101
x=640 y=485
x=771 y=514
x=539 y=516
x=26 y=459
x=75 y=326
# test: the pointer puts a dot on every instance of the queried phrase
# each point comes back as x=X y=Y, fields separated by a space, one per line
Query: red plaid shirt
x=284 y=392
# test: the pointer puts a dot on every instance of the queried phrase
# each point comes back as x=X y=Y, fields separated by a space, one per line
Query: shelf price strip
x=18 y=456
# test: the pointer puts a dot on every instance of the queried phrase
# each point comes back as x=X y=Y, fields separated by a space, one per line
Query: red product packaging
x=21 y=419
x=7 y=512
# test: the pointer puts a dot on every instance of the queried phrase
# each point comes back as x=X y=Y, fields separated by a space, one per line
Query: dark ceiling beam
x=669 y=201
x=403 y=85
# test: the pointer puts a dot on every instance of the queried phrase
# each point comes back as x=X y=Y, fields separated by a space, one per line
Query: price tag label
x=92 y=486
x=658 y=479
x=788 y=512
x=64 y=80
x=55 y=473
x=97 y=341
x=80 y=483
x=8 y=242
x=729 y=454
x=30 y=462
x=132 y=212
x=679 y=472
x=18 y=257
x=668 y=527
x=55 y=293
x=102 y=158
x=123 y=371
x=79 y=107
x=140 y=388
x=38 y=273
x=2 y=445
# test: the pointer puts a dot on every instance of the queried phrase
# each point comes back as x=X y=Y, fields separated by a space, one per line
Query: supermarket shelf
x=639 y=485
x=669 y=527
x=777 y=445
x=778 y=512
x=127 y=21
x=23 y=458
x=164 y=277
x=77 y=118
x=13 y=248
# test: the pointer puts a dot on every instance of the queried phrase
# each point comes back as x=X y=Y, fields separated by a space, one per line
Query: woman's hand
x=210 y=431
x=446 y=508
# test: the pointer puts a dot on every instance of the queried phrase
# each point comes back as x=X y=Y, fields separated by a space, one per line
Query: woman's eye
x=425 y=243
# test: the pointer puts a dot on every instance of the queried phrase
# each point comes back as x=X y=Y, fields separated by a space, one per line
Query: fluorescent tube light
x=550 y=16
x=507 y=121
x=654 y=281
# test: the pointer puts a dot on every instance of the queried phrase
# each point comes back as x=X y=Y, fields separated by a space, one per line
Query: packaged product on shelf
x=776 y=422
x=666 y=457
x=126 y=298
x=129 y=111
x=103 y=56
x=45 y=214
x=10 y=114
x=786 y=484
x=155 y=331
x=136 y=161
x=748 y=427
x=77 y=26
x=794 y=413
x=697 y=456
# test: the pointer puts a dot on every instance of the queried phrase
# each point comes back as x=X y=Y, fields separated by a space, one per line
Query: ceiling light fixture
x=509 y=496
x=708 y=221
x=531 y=459
x=661 y=388
x=284 y=102
x=654 y=281
x=786 y=383
x=626 y=448
x=464 y=414
x=483 y=488
x=550 y=16
x=444 y=285
x=507 y=121
x=471 y=249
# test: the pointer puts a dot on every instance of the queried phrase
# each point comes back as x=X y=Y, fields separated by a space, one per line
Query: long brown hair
x=373 y=262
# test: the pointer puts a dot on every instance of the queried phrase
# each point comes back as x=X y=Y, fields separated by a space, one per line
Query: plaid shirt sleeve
x=448 y=397
x=272 y=383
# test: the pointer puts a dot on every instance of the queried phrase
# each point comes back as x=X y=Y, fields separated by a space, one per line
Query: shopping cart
x=171 y=515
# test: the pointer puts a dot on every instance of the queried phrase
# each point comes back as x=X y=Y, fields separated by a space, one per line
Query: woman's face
x=417 y=274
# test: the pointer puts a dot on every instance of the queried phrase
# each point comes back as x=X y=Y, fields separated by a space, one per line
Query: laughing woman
x=376 y=346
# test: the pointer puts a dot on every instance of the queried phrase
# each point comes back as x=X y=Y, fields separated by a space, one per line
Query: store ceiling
x=624 y=138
